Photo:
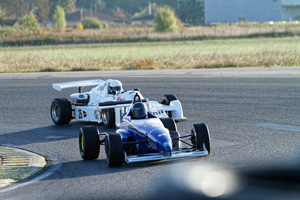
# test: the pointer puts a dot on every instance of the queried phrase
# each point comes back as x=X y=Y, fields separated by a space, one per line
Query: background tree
x=190 y=11
x=2 y=15
x=165 y=20
x=19 y=8
x=97 y=5
x=43 y=10
x=93 y=23
x=59 y=19
x=67 y=5
x=117 y=12
x=145 y=11
x=131 y=7
x=30 y=22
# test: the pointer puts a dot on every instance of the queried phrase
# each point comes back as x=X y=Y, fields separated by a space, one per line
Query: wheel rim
x=193 y=138
x=105 y=117
x=81 y=144
x=107 y=151
x=55 y=112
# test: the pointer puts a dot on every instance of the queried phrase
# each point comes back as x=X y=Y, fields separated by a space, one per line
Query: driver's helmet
x=139 y=111
x=115 y=85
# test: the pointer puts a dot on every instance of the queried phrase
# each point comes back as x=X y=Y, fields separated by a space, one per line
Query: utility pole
x=91 y=10
x=150 y=8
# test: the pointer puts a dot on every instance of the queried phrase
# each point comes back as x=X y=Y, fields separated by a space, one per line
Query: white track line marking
x=220 y=143
x=54 y=137
x=279 y=127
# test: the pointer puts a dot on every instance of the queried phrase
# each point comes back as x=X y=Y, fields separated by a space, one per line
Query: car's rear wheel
x=166 y=100
x=200 y=136
x=89 y=143
x=114 y=150
x=61 y=111
x=108 y=117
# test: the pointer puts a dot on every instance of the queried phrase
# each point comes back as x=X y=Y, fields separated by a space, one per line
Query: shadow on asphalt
x=79 y=167
x=47 y=134
x=88 y=168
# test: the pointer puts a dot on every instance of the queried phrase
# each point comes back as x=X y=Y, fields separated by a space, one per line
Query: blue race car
x=141 y=136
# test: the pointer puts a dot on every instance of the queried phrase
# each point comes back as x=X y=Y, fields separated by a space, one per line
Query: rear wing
x=76 y=84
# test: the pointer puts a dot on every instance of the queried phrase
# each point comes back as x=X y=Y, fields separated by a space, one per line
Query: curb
x=18 y=164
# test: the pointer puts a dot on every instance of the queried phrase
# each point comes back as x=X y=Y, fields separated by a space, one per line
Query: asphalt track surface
x=252 y=114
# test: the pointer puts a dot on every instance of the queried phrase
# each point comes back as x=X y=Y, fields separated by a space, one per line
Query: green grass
x=153 y=55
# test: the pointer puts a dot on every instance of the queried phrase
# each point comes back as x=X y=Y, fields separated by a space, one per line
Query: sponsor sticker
x=162 y=134
x=167 y=144
x=121 y=99
x=158 y=112
x=97 y=115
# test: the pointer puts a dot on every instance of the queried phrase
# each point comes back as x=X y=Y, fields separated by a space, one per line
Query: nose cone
x=162 y=139
x=166 y=146
x=158 y=137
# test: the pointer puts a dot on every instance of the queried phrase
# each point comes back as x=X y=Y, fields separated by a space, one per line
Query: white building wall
x=290 y=10
x=290 y=2
x=229 y=11
x=291 y=13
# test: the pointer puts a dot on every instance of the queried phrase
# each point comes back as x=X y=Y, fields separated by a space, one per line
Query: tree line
x=43 y=9
x=188 y=11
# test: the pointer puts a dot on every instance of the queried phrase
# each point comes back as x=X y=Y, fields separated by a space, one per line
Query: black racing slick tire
x=61 y=111
x=114 y=150
x=200 y=136
x=169 y=124
x=108 y=117
x=166 y=99
x=89 y=143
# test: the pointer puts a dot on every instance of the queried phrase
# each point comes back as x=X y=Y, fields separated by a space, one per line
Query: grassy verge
x=153 y=55
x=18 y=36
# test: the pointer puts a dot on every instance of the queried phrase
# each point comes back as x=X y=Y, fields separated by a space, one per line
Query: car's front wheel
x=114 y=150
x=169 y=124
x=200 y=136
x=61 y=111
x=89 y=143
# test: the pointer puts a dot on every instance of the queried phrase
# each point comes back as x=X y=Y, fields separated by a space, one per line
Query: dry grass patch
x=157 y=55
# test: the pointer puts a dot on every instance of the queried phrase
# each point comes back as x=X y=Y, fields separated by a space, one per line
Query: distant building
x=147 y=20
x=8 y=22
x=290 y=10
x=230 y=11
x=75 y=17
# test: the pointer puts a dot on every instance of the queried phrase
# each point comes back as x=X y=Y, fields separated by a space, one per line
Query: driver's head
x=115 y=85
x=139 y=111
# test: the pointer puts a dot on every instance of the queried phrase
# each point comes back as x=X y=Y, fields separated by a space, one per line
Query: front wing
x=161 y=156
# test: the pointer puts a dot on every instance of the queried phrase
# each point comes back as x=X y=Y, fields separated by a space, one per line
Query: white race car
x=86 y=106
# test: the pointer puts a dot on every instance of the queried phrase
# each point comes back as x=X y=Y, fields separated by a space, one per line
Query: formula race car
x=141 y=136
x=85 y=106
